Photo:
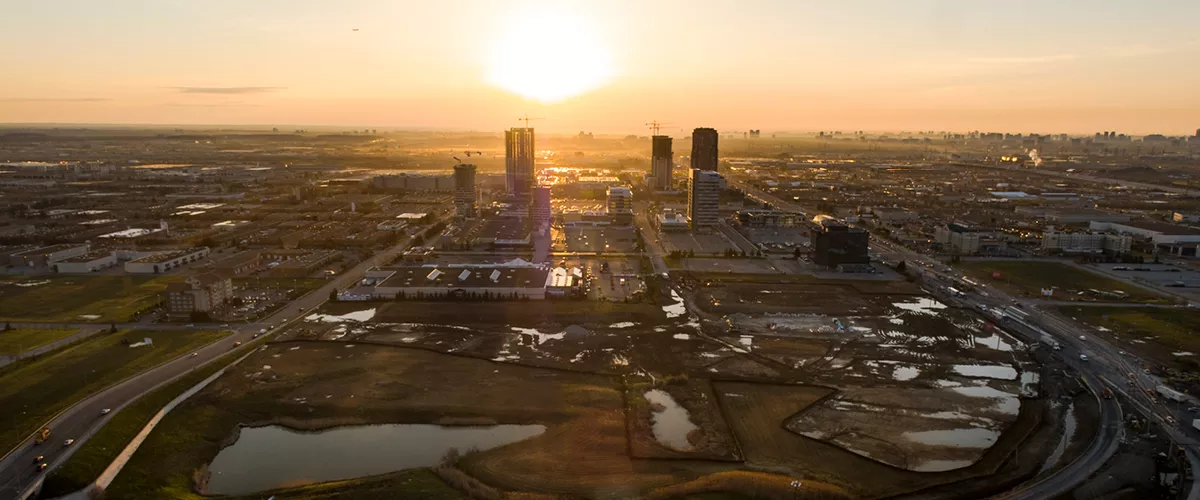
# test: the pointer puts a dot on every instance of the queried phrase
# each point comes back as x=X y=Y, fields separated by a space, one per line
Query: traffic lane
x=79 y=420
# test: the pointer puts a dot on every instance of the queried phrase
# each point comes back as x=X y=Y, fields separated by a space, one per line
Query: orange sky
x=1070 y=66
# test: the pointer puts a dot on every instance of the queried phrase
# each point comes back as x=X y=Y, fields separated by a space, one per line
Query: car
x=194 y=354
x=237 y=343
x=41 y=467
x=264 y=330
x=68 y=442
x=106 y=411
x=224 y=325
x=39 y=459
x=1081 y=337
x=1083 y=357
x=1121 y=353
x=255 y=335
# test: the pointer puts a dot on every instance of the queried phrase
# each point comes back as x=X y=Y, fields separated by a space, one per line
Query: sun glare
x=549 y=56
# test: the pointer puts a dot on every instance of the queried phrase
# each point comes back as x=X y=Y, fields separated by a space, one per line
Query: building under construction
x=661 y=162
x=518 y=163
x=466 y=193
x=704 y=149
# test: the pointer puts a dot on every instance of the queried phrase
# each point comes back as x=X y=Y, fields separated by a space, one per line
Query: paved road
x=18 y=471
x=650 y=238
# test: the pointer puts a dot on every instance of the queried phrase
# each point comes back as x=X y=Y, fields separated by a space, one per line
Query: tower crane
x=656 y=125
x=527 y=119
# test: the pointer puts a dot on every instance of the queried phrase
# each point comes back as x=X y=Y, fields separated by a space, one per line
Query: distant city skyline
x=607 y=67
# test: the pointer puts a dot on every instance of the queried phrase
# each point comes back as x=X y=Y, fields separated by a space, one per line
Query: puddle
x=1005 y=402
x=896 y=321
x=360 y=316
x=540 y=337
x=996 y=342
x=998 y=372
x=33 y=283
x=681 y=336
x=270 y=457
x=678 y=308
x=89 y=316
x=971 y=437
x=623 y=324
x=619 y=360
x=921 y=306
x=1029 y=384
x=940 y=465
x=903 y=373
x=1182 y=353
x=671 y=424
x=1068 y=432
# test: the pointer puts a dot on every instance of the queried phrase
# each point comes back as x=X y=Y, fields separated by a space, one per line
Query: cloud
x=1023 y=60
x=54 y=99
x=227 y=90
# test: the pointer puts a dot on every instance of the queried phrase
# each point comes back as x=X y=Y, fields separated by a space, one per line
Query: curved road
x=18 y=472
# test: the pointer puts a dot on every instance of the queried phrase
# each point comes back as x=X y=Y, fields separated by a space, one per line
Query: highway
x=18 y=472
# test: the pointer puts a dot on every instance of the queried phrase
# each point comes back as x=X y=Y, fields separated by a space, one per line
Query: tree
x=796 y=253
x=902 y=266
x=112 y=328
x=333 y=295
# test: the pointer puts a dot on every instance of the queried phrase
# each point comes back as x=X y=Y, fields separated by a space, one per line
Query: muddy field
x=798 y=377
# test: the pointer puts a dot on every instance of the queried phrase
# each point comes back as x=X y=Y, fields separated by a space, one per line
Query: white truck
x=1196 y=424
x=1170 y=393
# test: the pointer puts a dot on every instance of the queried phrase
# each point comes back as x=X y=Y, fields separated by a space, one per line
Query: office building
x=1085 y=241
x=704 y=149
x=540 y=208
x=704 y=196
x=661 y=162
x=518 y=162
x=838 y=246
x=203 y=293
x=620 y=204
x=466 y=193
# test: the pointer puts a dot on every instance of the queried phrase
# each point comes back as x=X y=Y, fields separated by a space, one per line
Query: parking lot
x=600 y=239
x=1154 y=274
x=702 y=244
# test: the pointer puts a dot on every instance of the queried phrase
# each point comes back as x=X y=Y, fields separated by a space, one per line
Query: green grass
x=412 y=483
x=66 y=298
x=32 y=391
x=18 y=340
x=1028 y=278
x=1174 y=328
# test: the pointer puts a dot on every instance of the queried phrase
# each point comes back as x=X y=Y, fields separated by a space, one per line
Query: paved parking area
x=1154 y=274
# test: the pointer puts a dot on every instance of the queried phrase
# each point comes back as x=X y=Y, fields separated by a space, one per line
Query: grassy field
x=1151 y=332
x=1028 y=278
x=18 y=340
x=746 y=484
x=79 y=298
x=34 y=390
x=405 y=484
x=98 y=452
x=583 y=450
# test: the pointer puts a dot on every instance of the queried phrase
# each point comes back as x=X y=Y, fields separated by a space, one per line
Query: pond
x=271 y=457
x=671 y=424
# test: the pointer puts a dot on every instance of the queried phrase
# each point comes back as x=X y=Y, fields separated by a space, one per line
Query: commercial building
x=518 y=162
x=767 y=218
x=540 y=209
x=672 y=221
x=86 y=263
x=964 y=239
x=1085 y=241
x=1160 y=233
x=466 y=193
x=239 y=263
x=704 y=149
x=662 y=160
x=620 y=204
x=505 y=281
x=840 y=246
x=45 y=256
x=704 y=197
x=203 y=293
x=165 y=261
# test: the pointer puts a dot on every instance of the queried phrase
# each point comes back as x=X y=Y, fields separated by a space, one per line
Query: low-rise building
x=1183 y=218
x=1161 y=233
x=203 y=293
x=1085 y=241
x=490 y=281
x=239 y=263
x=754 y=217
x=672 y=221
x=964 y=239
x=44 y=256
x=86 y=263
x=165 y=261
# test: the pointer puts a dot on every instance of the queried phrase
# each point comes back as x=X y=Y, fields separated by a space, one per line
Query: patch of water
x=1029 y=384
x=671 y=424
x=1005 y=402
x=920 y=306
x=623 y=324
x=271 y=457
x=539 y=337
x=681 y=336
x=1183 y=353
x=970 y=437
x=89 y=316
x=679 y=308
x=939 y=465
x=1068 y=432
x=747 y=341
x=998 y=372
x=360 y=316
x=33 y=283
x=995 y=341
x=619 y=360
x=903 y=373
x=896 y=321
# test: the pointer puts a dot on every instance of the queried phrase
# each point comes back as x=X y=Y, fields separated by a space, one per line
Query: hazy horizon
x=1065 y=67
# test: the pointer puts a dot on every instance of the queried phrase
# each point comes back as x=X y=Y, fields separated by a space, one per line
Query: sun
x=549 y=56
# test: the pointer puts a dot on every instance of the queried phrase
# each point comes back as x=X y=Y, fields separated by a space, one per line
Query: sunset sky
x=608 y=66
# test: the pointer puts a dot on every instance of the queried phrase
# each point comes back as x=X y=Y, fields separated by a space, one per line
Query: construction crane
x=656 y=125
x=526 y=119
x=457 y=160
x=477 y=153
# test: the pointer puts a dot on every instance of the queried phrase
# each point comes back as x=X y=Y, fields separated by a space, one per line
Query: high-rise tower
x=661 y=161
x=518 y=162
x=466 y=194
x=704 y=149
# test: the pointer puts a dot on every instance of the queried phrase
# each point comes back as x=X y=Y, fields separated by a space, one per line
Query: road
x=650 y=240
x=18 y=472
